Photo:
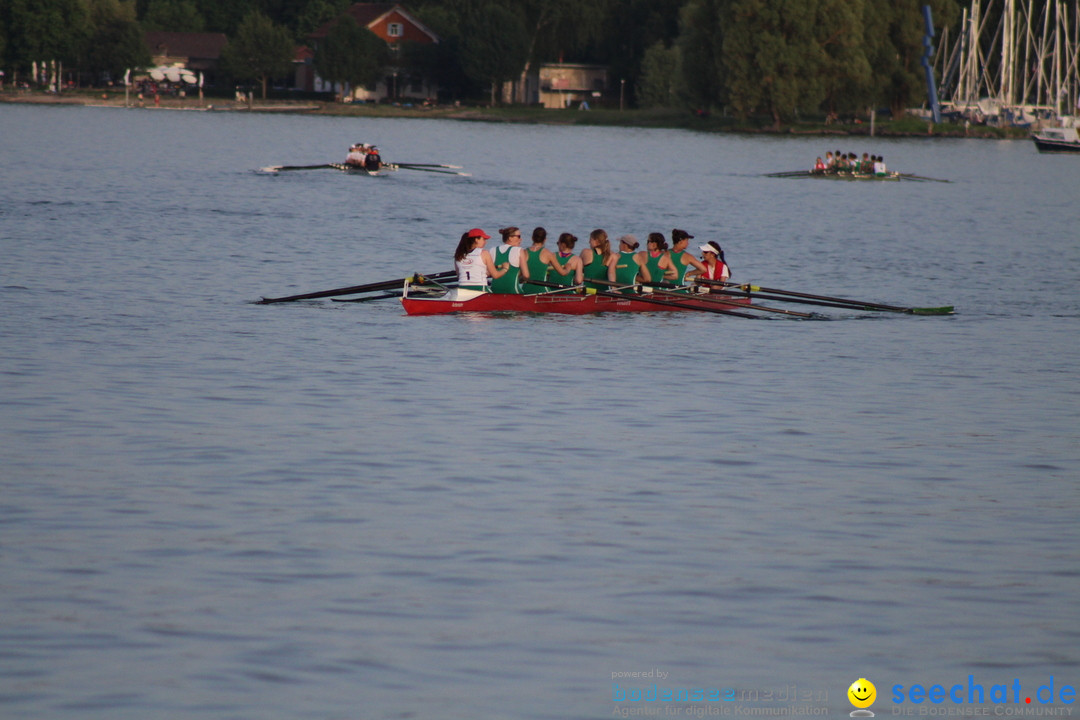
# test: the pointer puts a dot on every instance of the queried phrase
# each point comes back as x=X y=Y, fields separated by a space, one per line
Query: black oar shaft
x=352 y=290
x=656 y=301
x=808 y=296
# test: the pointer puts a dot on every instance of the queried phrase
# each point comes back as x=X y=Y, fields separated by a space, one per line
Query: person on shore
x=540 y=263
x=680 y=259
x=357 y=155
x=594 y=259
x=473 y=263
x=655 y=257
x=625 y=266
x=712 y=257
x=571 y=272
x=510 y=256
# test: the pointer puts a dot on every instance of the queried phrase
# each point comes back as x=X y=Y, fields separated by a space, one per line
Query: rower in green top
x=541 y=263
x=680 y=259
x=624 y=267
x=567 y=261
x=594 y=259
x=509 y=256
x=655 y=257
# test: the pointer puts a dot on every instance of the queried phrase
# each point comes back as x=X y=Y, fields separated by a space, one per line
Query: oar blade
x=944 y=310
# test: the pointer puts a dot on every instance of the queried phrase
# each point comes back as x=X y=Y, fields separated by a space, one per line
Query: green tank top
x=656 y=273
x=507 y=284
x=680 y=268
x=566 y=280
x=596 y=270
x=538 y=270
x=626 y=269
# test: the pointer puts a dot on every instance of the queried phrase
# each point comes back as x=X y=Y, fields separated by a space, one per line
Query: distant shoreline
x=910 y=127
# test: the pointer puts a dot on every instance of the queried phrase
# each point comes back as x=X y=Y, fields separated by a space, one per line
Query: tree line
x=779 y=58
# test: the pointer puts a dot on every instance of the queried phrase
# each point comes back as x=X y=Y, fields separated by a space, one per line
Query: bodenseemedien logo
x=862 y=694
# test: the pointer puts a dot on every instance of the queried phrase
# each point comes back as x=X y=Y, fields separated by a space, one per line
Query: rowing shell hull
x=560 y=304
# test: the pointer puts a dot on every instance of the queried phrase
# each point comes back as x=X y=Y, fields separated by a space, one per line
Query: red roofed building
x=395 y=26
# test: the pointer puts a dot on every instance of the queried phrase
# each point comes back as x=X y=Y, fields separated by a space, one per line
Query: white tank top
x=471 y=269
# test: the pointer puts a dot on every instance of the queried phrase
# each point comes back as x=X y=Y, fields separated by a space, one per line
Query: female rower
x=541 y=263
x=570 y=267
x=509 y=255
x=474 y=264
x=681 y=259
x=594 y=259
x=655 y=257
x=625 y=266
x=712 y=256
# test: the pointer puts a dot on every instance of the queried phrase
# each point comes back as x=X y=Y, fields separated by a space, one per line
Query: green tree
x=701 y=46
x=350 y=55
x=774 y=56
x=494 y=45
x=629 y=30
x=43 y=31
x=317 y=13
x=173 y=16
x=893 y=37
x=261 y=50
x=660 y=81
x=845 y=67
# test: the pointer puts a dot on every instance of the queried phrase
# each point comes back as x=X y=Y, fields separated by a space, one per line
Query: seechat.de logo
x=862 y=694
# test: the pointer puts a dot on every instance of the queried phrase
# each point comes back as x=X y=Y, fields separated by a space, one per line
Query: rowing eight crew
x=365 y=156
x=850 y=162
x=511 y=267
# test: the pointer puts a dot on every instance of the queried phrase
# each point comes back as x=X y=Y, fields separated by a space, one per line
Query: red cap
x=478 y=233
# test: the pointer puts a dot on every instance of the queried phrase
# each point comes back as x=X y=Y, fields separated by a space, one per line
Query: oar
x=276 y=168
x=729 y=303
x=791 y=296
x=790 y=173
x=434 y=290
x=430 y=165
x=909 y=176
x=432 y=170
x=370 y=287
x=654 y=301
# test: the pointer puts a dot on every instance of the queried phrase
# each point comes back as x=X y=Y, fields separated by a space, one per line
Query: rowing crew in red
x=511 y=269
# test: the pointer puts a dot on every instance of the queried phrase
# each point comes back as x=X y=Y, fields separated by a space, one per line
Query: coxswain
x=357 y=155
x=473 y=263
x=712 y=257
x=879 y=166
x=594 y=259
x=625 y=266
x=819 y=167
x=511 y=257
x=680 y=259
x=373 y=163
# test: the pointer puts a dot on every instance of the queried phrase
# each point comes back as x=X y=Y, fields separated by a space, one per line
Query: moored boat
x=565 y=303
x=1057 y=140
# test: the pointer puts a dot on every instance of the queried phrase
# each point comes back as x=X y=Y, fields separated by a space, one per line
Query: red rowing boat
x=460 y=301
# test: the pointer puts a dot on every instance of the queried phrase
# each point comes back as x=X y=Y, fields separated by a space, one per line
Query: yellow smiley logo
x=862 y=693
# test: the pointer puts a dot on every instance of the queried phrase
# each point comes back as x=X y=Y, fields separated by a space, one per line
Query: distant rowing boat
x=848 y=175
x=361 y=170
x=342 y=167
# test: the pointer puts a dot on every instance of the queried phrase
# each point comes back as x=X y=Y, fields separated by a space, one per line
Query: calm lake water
x=216 y=509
